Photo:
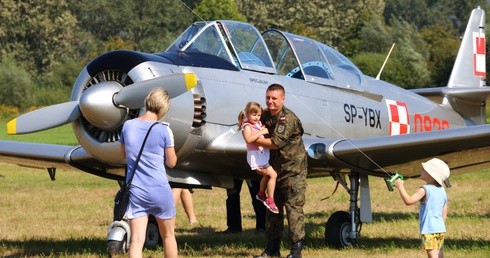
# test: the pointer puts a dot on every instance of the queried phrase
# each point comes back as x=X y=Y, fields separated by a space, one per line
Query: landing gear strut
x=343 y=228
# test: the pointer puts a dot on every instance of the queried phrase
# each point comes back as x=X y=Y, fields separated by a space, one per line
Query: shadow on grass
x=51 y=247
x=205 y=241
x=317 y=241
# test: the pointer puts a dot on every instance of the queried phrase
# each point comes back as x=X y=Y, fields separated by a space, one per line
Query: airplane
x=356 y=127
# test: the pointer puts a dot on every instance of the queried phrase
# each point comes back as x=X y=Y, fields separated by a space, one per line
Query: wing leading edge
x=44 y=156
x=464 y=149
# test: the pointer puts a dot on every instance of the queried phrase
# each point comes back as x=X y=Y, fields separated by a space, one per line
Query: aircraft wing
x=44 y=156
x=464 y=149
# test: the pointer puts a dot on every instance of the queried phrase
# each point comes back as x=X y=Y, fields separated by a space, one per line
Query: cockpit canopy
x=273 y=52
x=238 y=42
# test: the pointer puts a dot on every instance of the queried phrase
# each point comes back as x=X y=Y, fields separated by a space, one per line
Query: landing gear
x=115 y=247
x=343 y=228
x=119 y=235
x=337 y=230
x=152 y=234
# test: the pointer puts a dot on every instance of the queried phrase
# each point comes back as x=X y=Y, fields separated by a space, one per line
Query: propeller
x=133 y=96
x=47 y=118
x=104 y=104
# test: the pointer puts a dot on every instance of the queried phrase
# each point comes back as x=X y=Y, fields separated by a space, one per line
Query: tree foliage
x=442 y=47
x=50 y=41
x=37 y=33
x=15 y=85
x=331 y=22
x=394 y=70
x=218 y=10
x=145 y=25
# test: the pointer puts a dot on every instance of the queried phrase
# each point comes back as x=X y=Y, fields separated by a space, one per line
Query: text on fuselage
x=425 y=123
x=370 y=117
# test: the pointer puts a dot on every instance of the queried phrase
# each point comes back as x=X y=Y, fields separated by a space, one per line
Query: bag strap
x=139 y=154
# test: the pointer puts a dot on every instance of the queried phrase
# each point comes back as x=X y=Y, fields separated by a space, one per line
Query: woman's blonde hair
x=158 y=102
x=252 y=107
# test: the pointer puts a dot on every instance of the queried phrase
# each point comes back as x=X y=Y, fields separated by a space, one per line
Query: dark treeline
x=45 y=44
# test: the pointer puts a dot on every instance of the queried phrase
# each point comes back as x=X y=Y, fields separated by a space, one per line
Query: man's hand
x=264 y=131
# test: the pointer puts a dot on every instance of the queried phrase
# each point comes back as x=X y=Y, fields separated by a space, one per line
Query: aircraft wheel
x=337 y=230
x=115 y=247
x=152 y=233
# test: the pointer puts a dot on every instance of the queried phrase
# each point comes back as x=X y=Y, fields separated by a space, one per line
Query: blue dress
x=150 y=192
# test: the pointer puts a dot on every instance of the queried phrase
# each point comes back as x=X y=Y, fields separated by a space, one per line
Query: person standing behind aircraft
x=433 y=205
x=289 y=159
x=233 y=212
x=185 y=195
x=150 y=192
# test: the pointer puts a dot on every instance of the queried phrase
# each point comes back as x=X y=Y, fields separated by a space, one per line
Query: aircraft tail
x=466 y=92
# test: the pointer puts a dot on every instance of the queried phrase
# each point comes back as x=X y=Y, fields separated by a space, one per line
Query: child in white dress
x=258 y=157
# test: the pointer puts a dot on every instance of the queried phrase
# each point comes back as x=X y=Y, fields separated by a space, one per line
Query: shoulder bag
x=121 y=201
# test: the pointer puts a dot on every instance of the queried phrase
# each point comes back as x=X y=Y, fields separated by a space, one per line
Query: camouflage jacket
x=286 y=131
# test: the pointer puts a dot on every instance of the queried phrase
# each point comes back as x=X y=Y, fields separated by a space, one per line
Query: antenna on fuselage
x=383 y=66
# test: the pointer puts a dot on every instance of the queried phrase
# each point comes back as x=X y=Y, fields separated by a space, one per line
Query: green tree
x=414 y=11
x=410 y=50
x=375 y=36
x=443 y=48
x=426 y=13
x=218 y=10
x=37 y=33
x=55 y=87
x=16 y=85
x=332 y=22
x=145 y=25
x=394 y=71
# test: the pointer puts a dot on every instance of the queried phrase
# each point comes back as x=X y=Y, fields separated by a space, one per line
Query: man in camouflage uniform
x=288 y=158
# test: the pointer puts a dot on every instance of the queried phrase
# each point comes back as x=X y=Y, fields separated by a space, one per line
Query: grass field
x=69 y=217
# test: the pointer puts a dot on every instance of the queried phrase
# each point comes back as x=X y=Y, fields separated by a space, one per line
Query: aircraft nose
x=97 y=107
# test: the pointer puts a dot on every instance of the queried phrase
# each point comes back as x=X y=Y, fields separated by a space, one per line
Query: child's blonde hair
x=251 y=107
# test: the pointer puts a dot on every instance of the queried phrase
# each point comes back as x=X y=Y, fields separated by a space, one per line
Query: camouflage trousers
x=289 y=196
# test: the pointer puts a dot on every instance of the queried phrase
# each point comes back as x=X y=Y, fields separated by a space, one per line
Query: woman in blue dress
x=150 y=192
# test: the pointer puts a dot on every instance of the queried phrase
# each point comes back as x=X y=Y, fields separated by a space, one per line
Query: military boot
x=272 y=249
x=295 y=250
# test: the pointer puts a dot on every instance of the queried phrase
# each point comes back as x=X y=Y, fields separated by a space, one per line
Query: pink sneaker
x=269 y=203
x=261 y=198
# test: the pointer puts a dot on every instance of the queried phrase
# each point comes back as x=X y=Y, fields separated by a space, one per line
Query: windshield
x=239 y=43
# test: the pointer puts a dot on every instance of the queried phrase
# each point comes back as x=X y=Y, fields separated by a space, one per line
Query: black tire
x=115 y=247
x=152 y=238
x=337 y=230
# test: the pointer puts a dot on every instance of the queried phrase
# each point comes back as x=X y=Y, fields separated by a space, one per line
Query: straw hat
x=437 y=169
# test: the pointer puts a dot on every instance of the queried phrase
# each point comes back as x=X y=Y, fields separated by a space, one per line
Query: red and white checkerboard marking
x=479 y=53
x=398 y=117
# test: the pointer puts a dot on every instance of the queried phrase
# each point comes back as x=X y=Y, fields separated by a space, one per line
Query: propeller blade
x=44 y=118
x=133 y=96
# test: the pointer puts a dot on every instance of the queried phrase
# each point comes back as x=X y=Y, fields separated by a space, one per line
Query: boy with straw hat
x=433 y=205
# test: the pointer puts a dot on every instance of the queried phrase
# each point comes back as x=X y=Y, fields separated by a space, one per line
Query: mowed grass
x=69 y=218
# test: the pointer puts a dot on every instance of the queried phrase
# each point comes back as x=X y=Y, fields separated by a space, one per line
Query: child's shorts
x=258 y=158
x=433 y=241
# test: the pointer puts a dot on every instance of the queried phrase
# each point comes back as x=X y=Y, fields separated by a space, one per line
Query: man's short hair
x=276 y=86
